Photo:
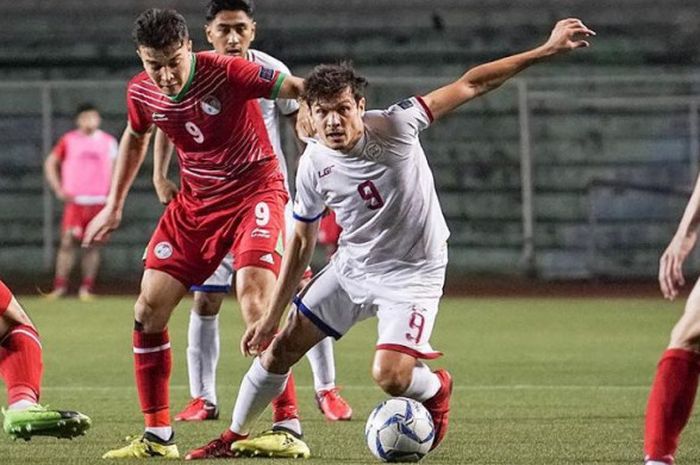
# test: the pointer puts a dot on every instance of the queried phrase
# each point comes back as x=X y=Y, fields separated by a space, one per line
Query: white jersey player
x=230 y=29
x=371 y=170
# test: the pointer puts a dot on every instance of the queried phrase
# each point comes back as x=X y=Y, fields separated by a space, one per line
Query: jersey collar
x=181 y=95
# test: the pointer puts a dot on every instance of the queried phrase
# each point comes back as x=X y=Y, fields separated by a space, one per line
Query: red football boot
x=439 y=406
x=219 y=448
x=332 y=405
x=198 y=409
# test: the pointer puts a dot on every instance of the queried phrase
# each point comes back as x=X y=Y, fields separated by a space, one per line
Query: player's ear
x=253 y=28
x=361 y=106
x=208 y=32
x=189 y=45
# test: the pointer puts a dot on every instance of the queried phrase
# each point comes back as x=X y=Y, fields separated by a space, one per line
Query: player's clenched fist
x=568 y=34
x=106 y=221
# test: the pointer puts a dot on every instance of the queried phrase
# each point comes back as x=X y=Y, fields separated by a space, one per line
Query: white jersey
x=272 y=109
x=384 y=198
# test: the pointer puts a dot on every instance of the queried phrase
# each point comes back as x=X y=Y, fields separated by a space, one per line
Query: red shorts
x=76 y=218
x=190 y=248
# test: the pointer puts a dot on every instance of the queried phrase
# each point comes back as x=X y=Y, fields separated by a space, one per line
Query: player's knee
x=147 y=315
x=393 y=379
x=281 y=355
x=67 y=242
x=207 y=304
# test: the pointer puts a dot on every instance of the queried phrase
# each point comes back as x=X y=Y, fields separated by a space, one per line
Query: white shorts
x=221 y=280
x=404 y=325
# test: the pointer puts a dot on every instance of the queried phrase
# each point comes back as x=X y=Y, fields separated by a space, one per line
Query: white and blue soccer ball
x=399 y=430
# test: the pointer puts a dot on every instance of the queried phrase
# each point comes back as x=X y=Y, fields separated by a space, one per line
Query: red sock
x=60 y=282
x=284 y=406
x=152 y=365
x=21 y=365
x=87 y=284
x=670 y=403
x=5 y=297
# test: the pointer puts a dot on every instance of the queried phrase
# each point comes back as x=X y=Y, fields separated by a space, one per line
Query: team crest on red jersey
x=211 y=105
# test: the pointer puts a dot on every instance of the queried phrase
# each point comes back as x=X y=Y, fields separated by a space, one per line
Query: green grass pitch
x=537 y=381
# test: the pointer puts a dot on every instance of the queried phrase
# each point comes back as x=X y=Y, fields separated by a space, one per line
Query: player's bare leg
x=65 y=259
x=21 y=368
x=265 y=380
x=203 y=348
x=160 y=294
x=90 y=264
x=675 y=385
x=401 y=374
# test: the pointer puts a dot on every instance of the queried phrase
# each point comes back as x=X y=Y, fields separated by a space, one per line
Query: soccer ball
x=399 y=430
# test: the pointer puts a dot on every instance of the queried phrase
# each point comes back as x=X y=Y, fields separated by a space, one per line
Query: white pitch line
x=359 y=387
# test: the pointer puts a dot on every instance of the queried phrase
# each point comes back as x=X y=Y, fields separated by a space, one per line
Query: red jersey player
x=676 y=382
x=21 y=368
x=232 y=195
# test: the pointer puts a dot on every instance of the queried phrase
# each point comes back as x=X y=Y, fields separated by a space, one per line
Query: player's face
x=231 y=32
x=168 y=68
x=338 y=121
x=88 y=121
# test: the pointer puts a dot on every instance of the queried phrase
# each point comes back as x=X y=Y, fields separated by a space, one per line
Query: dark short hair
x=160 y=29
x=327 y=81
x=85 y=106
x=217 y=6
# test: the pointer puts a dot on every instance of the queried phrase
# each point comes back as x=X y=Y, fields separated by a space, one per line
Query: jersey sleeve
x=139 y=120
x=287 y=106
x=407 y=118
x=308 y=203
x=253 y=80
x=59 y=150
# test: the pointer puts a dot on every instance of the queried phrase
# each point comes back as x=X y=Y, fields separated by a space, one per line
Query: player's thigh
x=254 y=287
x=297 y=337
x=160 y=294
x=686 y=332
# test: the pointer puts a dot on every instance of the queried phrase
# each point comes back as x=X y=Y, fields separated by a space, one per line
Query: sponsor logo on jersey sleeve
x=405 y=104
x=159 y=117
x=211 y=105
x=260 y=232
x=266 y=74
x=163 y=250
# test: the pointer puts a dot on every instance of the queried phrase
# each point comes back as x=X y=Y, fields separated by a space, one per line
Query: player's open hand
x=671 y=264
x=98 y=230
x=166 y=190
x=258 y=336
x=568 y=34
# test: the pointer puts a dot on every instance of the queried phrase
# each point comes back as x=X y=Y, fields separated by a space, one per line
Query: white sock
x=654 y=462
x=322 y=364
x=257 y=390
x=163 y=432
x=203 y=355
x=424 y=383
x=293 y=424
x=21 y=404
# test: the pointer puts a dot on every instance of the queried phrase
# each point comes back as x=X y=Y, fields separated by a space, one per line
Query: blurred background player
x=21 y=368
x=393 y=252
x=676 y=383
x=230 y=29
x=206 y=104
x=78 y=170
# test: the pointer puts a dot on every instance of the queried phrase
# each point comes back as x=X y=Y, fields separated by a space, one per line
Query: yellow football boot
x=145 y=447
x=277 y=443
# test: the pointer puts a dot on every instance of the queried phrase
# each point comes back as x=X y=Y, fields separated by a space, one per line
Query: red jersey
x=216 y=125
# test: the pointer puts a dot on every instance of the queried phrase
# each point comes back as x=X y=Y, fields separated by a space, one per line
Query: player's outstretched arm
x=671 y=262
x=568 y=34
x=296 y=259
x=162 y=154
x=132 y=151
